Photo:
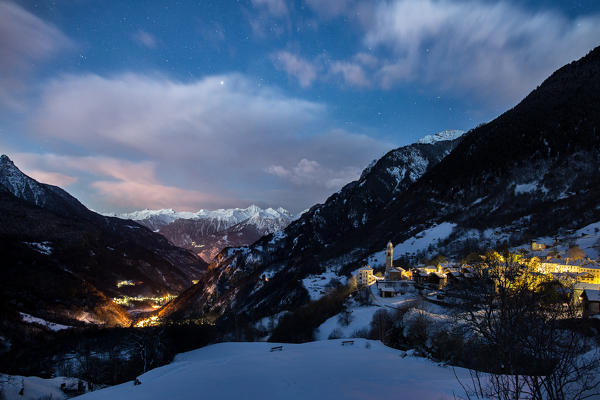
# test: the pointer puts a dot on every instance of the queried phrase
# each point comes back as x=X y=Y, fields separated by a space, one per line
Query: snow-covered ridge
x=18 y=183
x=230 y=216
x=449 y=134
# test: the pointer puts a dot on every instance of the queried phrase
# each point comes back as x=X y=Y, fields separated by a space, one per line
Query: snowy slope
x=19 y=184
x=586 y=238
x=420 y=241
x=39 y=321
x=34 y=388
x=317 y=370
x=449 y=134
x=43 y=195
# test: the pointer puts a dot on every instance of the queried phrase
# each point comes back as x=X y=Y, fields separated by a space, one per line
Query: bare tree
x=149 y=346
x=576 y=253
x=521 y=319
x=345 y=317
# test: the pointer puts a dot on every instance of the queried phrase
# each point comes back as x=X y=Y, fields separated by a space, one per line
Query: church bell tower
x=389 y=259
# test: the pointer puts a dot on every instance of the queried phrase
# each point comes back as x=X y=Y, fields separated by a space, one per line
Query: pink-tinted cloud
x=138 y=195
x=117 y=184
x=52 y=178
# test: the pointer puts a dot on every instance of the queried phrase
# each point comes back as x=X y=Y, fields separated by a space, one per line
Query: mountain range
x=532 y=171
x=207 y=232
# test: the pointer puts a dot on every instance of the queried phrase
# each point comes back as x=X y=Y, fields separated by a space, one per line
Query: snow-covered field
x=39 y=321
x=316 y=370
x=316 y=285
x=360 y=318
x=34 y=388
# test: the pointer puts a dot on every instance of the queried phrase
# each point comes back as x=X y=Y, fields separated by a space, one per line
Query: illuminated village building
x=391 y=284
x=365 y=276
x=535 y=246
x=583 y=273
x=583 y=270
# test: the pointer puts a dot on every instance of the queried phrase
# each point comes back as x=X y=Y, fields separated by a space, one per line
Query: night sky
x=210 y=104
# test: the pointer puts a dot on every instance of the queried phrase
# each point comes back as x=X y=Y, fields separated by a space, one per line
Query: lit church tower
x=389 y=258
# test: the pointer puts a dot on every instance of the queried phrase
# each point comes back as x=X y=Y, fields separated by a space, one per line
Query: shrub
x=335 y=334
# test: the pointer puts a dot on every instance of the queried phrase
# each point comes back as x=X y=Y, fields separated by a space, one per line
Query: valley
x=206 y=232
x=457 y=264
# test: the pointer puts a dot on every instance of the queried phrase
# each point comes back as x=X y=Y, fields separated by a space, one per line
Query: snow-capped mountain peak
x=229 y=217
x=18 y=183
x=449 y=134
x=206 y=232
x=13 y=180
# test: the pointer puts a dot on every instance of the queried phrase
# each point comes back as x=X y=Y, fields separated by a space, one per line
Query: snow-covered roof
x=584 y=286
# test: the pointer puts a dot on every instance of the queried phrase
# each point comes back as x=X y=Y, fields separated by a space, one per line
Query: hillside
x=531 y=172
x=318 y=370
x=61 y=260
x=310 y=244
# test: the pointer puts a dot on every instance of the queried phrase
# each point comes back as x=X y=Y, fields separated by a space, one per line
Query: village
x=445 y=280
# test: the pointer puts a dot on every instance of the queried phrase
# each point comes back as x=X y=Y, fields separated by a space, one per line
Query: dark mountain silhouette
x=61 y=259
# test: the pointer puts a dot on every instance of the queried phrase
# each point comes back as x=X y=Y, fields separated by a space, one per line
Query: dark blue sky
x=210 y=104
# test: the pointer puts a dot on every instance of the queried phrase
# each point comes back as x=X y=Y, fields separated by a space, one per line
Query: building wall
x=593 y=274
x=366 y=277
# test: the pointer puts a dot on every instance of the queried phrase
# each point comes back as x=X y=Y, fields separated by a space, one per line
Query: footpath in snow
x=316 y=370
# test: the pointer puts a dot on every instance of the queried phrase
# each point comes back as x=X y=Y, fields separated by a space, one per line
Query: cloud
x=52 y=178
x=140 y=195
x=276 y=8
x=310 y=172
x=495 y=50
x=25 y=40
x=352 y=73
x=301 y=69
x=115 y=182
x=216 y=139
x=331 y=8
x=144 y=38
